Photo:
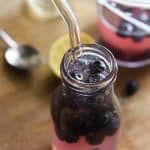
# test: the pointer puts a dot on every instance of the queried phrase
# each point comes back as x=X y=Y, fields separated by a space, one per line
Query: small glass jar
x=86 y=116
x=129 y=43
x=41 y=9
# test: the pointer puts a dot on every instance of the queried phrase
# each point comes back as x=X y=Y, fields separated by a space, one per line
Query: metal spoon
x=22 y=57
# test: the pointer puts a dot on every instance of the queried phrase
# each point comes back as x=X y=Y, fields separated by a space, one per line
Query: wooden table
x=25 y=97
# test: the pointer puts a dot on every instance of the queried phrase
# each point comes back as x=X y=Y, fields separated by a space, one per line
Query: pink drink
x=110 y=143
x=124 y=48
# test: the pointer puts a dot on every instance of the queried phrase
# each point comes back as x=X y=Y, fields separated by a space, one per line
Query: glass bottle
x=42 y=10
x=85 y=110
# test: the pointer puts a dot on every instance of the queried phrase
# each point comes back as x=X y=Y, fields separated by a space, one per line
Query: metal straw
x=71 y=21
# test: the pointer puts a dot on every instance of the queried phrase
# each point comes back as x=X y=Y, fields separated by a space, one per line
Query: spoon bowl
x=23 y=57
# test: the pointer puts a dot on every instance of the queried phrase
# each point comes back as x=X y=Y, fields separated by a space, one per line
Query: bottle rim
x=90 y=87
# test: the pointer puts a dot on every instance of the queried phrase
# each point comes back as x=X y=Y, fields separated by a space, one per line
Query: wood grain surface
x=25 y=97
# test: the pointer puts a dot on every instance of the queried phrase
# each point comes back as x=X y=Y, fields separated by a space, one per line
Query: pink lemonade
x=110 y=143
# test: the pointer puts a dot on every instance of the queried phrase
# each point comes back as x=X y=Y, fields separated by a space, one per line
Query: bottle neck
x=107 y=91
x=87 y=88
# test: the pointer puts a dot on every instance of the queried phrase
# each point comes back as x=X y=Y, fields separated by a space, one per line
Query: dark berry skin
x=113 y=125
x=76 y=122
x=95 y=138
x=96 y=67
x=138 y=35
x=59 y=132
x=66 y=135
x=144 y=17
x=131 y=87
x=94 y=78
x=124 y=8
x=125 y=29
x=70 y=138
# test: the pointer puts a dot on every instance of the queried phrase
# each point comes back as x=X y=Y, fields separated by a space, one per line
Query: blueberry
x=66 y=118
x=96 y=67
x=131 y=87
x=81 y=124
x=59 y=133
x=124 y=8
x=144 y=17
x=90 y=126
x=70 y=138
x=72 y=74
x=105 y=119
x=125 y=29
x=79 y=76
x=97 y=120
x=94 y=138
x=56 y=107
x=74 y=121
x=138 y=35
x=93 y=78
x=113 y=125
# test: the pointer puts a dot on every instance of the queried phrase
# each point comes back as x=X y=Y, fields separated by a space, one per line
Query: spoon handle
x=7 y=39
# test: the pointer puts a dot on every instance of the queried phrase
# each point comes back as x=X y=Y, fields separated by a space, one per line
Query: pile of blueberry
x=126 y=29
x=91 y=117
x=96 y=72
x=88 y=69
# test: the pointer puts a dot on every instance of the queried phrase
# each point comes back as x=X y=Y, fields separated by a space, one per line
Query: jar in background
x=41 y=9
x=129 y=43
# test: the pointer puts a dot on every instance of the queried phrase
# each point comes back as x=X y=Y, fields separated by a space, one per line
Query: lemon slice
x=58 y=49
x=41 y=9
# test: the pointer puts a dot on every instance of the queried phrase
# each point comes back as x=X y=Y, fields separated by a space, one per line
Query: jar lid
x=135 y=3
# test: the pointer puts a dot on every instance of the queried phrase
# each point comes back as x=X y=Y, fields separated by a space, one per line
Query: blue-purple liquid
x=88 y=69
